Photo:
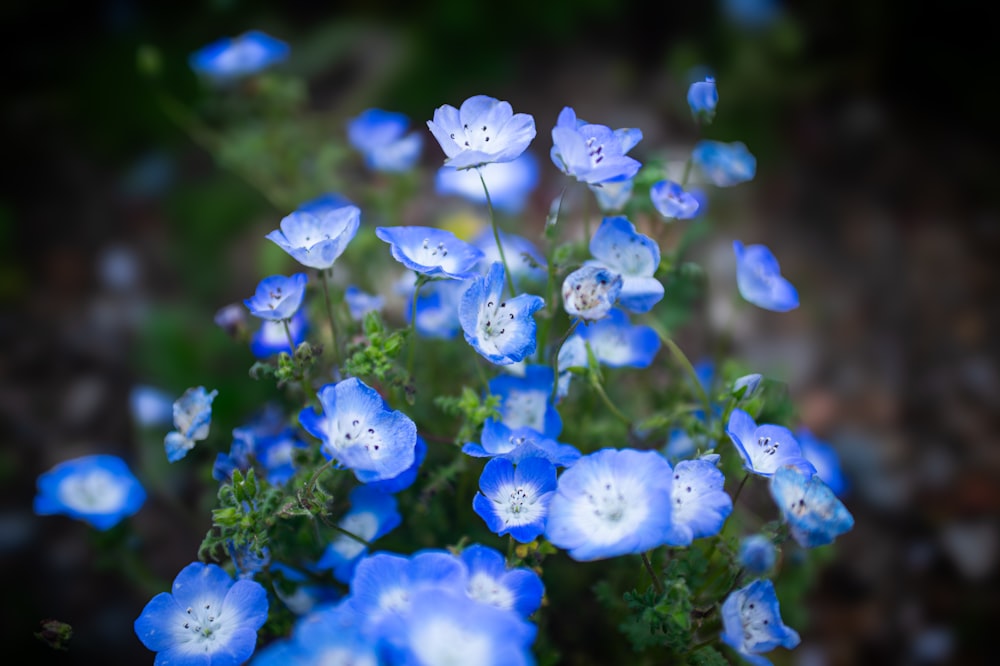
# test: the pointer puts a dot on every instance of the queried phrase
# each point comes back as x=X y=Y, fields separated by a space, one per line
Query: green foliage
x=374 y=355
x=472 y=411
x=246 y=512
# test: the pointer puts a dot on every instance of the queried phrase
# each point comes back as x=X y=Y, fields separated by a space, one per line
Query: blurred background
x=873 y=126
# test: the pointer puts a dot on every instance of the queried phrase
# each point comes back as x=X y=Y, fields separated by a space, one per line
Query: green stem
x=686 y=364
x=421 y=279
x=350 y=535
x=652 y=573
x=550 y=286
x=307 y=389
x=740 y=488
x=687 y=172
x=496 y=235
x=607 y=401
x=325 y=275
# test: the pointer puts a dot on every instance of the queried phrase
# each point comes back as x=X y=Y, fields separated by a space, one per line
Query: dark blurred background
x=873 y=125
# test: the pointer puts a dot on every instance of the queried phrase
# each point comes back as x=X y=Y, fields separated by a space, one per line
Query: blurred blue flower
x=433 y=252
x=318 y=236
x=269 y=441
x=437 y=308
x=751 y=622
x=360 y=303
x=192 y=419
x=525 y=403
x=813 y=513
x=759 y=279
x=825 y=459
x=150 y=406
x=501 y=330
x=617 y=246
x=372 y=514
x=523 y=258
x=514 y=500
x=328 y=635
x=700 y=504
x=617 y=343
x=236 y=57
x=751 y=14
x=746 y=387
x=591 y=153
x=271 y=338
x=724 y=164
x=207 y=618
x=591 y=291
x=764 y=448
x=703 y=97
x=491 y=582
x=516 y=444
x=757 y=554
x=277 y=297
x=381 y=137
x=510 y=183
x=98 y=489
x=672 y=202
x=613 y=195
x=482 y=131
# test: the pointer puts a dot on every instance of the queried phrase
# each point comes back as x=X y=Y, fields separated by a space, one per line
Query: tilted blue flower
x=759 y=279
x=509 y=183
x=269 y=441
x=271 y=338
x=328 y=635
x=98 y=489
x=672 y=202
x=751 y=622
x=724 y=164
x=298 y=590
x=317 y=237
x=233 y=58
x=703 y=97
x=207 y=618
x=277 y=297
x=525 y=401
x=612 y=502
x=592 y=153
x=192 y=419
x=591 y=291
x=700 y=504
x=572 y=354
x=491 y=582
x=514 y=500
x=522 y=256
x=247 y=560
x=764 y=448
x=613 y=195
x=381 y=137
x=501 y=329
x=482 y=131
x=324 y=203
x=360 y=432
x=757 y=554
x=617 y=246
x=360 y=303
x=825 y=459
x=373 y=514
x=433 y=252
x=437 y=308
x=517 y=444
x=746 y=387
x=404 y=479
x=617 y=343
x=813 y=513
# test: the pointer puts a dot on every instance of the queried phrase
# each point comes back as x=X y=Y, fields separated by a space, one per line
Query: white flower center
x=488 y=590
x=96 y=491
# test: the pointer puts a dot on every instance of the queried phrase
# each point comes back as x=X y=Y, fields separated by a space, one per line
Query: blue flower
x=381 y=137
x=318 y=236
x=268 y=440
x=277 y=297
x=751 y=14
x=325 y=203
x=591 y=291
x=192 y=419
x=232 y=319
x=759 y=280
x=700 y=504
x=751 y=622
x=233 y=58
x=765 y=448
x=591 y=153
x=746 y=386
x=613 y=195
x=672 y=202
x=248 y=560
x=513 y=500
x=437 y=308
x=360 y=303
x=703 y=97
x=373 y=514
x=328 y=635
x=618 y=343
x=824 y=458
x=491 y=582
x=404 y=479
x=510 y=183
x=522 y=257
x=359 y=430
x=612 y=502
x=447 y=627
x=525 y=403
x=724 y=164
x=517 y=444
x=298 y=590
x=813 y=513
x=433 y=252
x=757 y=554
x=150 y=406
x=617 y=246
x=572 y=354
x=97 y=489
x=501 y=330
x=482 y=131
x=207 y=618
x=271 y=338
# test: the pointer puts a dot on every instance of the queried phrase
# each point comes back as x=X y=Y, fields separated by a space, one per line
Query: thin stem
x=311 y=483
x=421 y=279
x=740 y=488
x=482 y=376
x=350 y=535
x=652 y=573
x=686 y=364
x=587 y=202
x=555 y=358
x=687 y=172
x=325 y=275
x=496 y=235
x=607 y=401
x=550 y=286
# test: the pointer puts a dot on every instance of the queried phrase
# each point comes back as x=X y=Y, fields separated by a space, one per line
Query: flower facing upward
x=98 y=489
x=482 y=131
x=277 y=297
x=751 y=622
x=317 y=237
x=724 y=164
x=433 y=252
x=233 y=58
x=764 y=448
x=381 y=137
x=514 y=500
x=501 y=330
x=814 y=514
x=759 y=279
x=192 y=419
x=593 y=154
x=617 y=246
x=207 y=618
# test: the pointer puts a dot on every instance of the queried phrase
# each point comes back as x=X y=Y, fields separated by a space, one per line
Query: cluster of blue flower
x=467 y=606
